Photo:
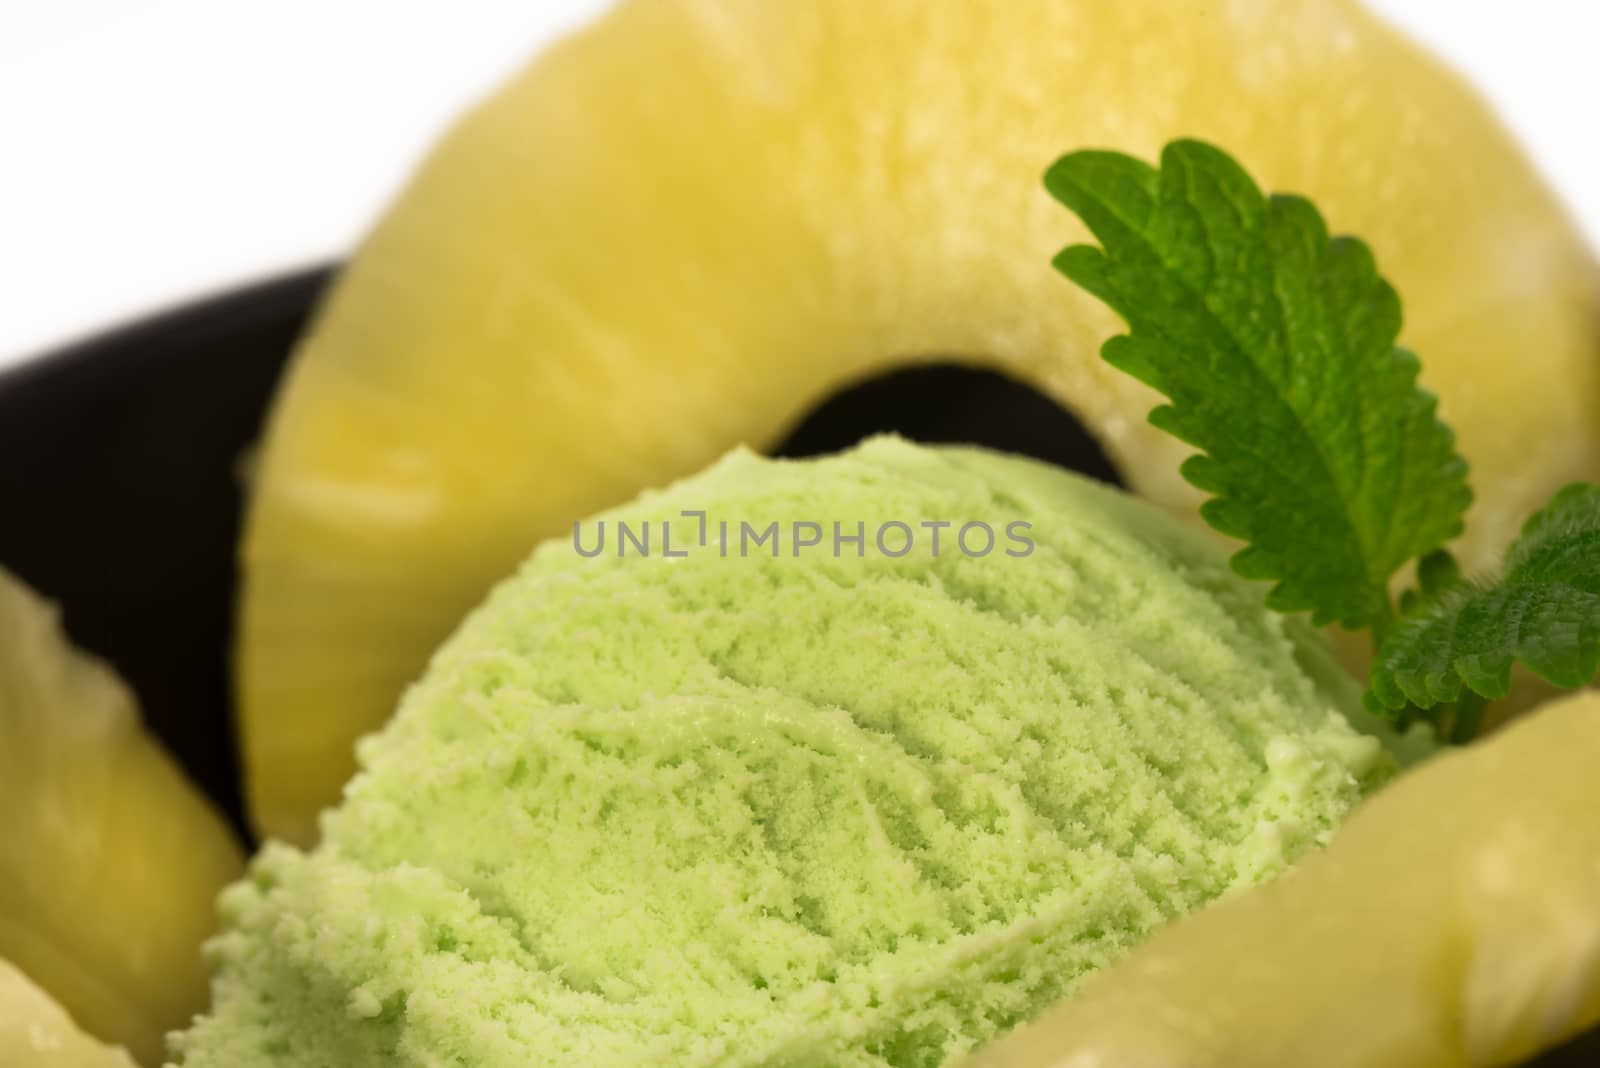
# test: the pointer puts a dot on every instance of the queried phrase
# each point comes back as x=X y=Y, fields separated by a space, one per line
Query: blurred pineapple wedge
x=36 y=1032
x=110 y=861
x=1452 y=923
x=683 y=228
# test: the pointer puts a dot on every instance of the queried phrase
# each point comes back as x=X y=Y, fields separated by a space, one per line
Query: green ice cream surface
x=795 y=810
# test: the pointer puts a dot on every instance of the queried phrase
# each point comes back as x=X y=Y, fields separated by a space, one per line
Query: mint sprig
x=1275 y=346
x=1544 y=611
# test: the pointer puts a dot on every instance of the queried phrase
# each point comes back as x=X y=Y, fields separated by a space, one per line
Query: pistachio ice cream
x=795 y=804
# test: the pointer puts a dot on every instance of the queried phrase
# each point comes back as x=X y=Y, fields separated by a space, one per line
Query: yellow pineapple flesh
x=36 y=1032
x=110 y=860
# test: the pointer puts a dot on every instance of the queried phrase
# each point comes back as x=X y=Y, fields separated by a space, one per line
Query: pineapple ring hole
x=950 y=403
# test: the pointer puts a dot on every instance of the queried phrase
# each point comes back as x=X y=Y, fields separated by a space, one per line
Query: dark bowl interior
x=120 y=492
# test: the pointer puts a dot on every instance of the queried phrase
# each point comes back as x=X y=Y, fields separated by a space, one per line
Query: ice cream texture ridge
x=845 y=810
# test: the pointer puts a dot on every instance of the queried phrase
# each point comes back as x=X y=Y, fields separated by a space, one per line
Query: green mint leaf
x=1437 y=574
x=1544 y=612
x=1275 y=347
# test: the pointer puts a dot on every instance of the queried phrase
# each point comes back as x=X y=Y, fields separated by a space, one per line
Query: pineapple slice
x=36 y=1032
x=1454 y=921
x=685 y=227
x=110 y=860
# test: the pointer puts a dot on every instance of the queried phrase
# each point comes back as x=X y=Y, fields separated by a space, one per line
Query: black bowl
x=120 y=492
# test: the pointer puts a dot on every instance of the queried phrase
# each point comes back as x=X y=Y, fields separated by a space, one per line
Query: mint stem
x=1469 y=717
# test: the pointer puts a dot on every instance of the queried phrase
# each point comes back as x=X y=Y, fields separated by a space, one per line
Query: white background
x=156 y=150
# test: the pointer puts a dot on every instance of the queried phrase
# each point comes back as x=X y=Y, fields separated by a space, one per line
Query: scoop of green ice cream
x=817 y=806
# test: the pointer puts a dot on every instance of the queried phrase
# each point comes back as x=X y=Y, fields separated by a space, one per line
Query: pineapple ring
x=110 y=862
x=1452 y=922
x=684 y=227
